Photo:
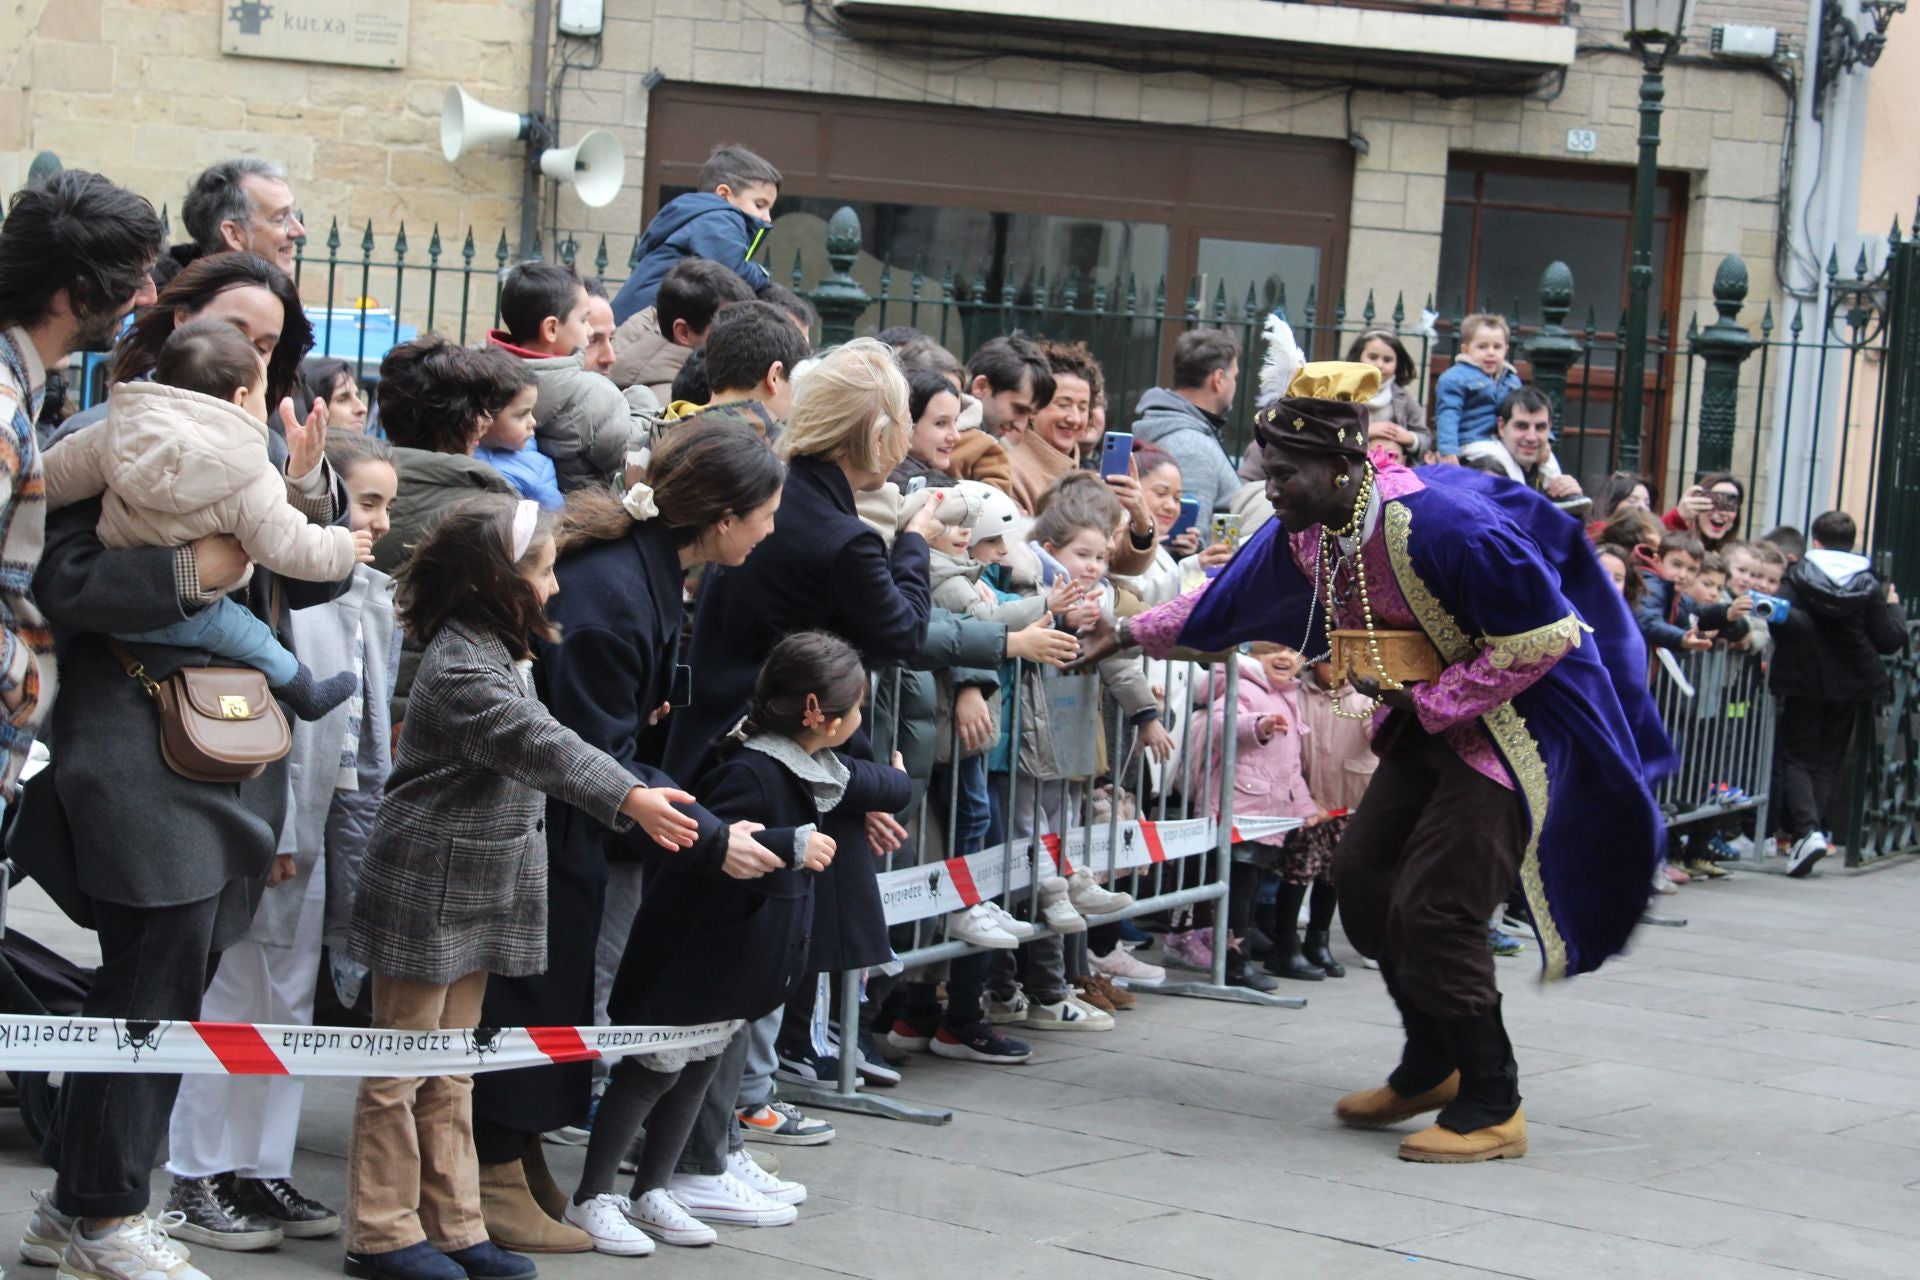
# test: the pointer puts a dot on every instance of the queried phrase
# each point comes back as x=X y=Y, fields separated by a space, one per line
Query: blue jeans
x=227 y=629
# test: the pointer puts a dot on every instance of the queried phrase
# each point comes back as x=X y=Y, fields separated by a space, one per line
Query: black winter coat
x=619 y=610
x=109 y=820
x=706 y=946
x=823 y=569
x=1829 y=645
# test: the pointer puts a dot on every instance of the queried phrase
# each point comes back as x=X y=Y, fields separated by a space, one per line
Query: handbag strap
x=134 y=668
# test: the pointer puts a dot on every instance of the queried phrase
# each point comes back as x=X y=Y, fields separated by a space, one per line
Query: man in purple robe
x=1529 y=757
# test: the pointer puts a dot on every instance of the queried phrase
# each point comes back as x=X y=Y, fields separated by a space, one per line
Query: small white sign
x=351 y=33
x=1583 y=142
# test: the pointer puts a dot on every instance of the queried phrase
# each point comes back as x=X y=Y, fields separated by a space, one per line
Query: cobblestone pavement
x=1738 y=1098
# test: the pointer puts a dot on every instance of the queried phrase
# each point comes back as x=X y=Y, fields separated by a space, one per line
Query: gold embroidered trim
x=1537 y=645
x=1507 y=728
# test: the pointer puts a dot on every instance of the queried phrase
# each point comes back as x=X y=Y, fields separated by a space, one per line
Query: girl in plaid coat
x=453 y=886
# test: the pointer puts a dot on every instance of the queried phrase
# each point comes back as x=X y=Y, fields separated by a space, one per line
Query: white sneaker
x=1012 y=1009
x=778 y=1190
x=605 y=1219
x=1091 y=899
x=1806 y=851
x=666 y=1220
x=1024 y=930
x=1121 y=967
x=45 y=1239
x=1663 y=885
x=978 y=927
x=1056 y=908
x=137 y=1249
x=1070 y=1014
x=725 y=1199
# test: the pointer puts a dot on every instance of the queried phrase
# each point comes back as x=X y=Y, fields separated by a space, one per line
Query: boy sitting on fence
x=580 y=420
x=1467 y=397
x=724 y=222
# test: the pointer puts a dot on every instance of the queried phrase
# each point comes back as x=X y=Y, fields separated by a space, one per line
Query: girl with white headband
x=454 y=882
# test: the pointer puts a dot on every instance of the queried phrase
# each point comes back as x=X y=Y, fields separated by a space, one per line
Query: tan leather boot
x=1504 y=1141
x=546 y=1192
x=1377 y=1108
x=515 y=1220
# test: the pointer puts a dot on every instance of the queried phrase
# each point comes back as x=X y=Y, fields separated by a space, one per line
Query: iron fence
x=1807 y=398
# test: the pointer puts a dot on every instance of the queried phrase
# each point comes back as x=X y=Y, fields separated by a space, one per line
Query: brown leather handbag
x=217 y=724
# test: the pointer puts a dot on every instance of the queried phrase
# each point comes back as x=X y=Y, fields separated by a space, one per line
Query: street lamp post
x=1655 y=29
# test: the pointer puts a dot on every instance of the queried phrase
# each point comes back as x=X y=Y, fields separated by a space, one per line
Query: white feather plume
x=1284 y=359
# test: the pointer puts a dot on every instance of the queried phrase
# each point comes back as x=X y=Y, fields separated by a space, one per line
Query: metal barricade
x=1721 y=717
x=1178 y=857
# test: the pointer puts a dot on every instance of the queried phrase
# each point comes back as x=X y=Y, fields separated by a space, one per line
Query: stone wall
x=139 y=90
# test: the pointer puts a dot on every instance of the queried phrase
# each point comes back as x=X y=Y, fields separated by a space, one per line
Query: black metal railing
x=1708 y=405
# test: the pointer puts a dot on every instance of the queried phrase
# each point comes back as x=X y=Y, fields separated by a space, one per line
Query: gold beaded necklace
x=1330 y=554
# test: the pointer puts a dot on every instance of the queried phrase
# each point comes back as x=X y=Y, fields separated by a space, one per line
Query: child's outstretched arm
x=279 y=538
x=500 y=727
x=733 y=794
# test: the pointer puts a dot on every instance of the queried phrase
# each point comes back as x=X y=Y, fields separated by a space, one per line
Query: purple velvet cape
x=1584 y=742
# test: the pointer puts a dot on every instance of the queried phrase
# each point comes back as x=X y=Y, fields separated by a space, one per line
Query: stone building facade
x=138 y=88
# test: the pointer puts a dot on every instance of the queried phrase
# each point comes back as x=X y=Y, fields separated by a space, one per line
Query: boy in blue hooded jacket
x=723 y=221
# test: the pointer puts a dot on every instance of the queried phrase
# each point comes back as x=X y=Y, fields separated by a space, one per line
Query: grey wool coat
x=455 y=877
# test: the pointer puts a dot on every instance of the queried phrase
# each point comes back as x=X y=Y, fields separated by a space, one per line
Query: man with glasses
x=244 y=204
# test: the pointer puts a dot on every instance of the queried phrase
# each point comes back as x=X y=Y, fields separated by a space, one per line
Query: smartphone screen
x=1189 y=515
x=1116 y=451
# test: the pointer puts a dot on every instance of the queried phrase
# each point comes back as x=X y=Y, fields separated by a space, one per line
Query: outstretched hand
x=1400 y=699
x=1098 y=642
x=306 y=441
x=652 y=809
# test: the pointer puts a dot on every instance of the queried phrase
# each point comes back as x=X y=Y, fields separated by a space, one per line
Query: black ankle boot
x=1287 y=962
x=1241 y=974
x=1316 y=952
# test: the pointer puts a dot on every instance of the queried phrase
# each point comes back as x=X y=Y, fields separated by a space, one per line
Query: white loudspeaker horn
x=595 y=166
x=465 y=121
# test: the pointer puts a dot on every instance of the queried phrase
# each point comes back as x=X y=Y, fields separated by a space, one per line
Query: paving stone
x=1717 y=1106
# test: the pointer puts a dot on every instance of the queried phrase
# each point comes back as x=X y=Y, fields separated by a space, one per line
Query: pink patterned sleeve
x=1157 y=630
x=1503 y=669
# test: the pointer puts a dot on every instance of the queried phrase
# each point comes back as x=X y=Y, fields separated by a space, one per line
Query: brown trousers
x=1427 y=858
x=412 y=1173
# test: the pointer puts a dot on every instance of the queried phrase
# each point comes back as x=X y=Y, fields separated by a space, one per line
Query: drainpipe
x=1825 y=193
x=537 y=109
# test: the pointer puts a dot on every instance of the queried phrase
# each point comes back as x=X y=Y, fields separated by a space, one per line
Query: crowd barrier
x=1179 y=856
x=128 y=1046
x=1721 y=717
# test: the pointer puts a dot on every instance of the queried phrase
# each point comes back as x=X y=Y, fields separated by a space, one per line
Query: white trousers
x=248 y=1124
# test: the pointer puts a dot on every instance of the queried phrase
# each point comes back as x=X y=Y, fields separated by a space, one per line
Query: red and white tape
x=244 y=1049
x=936 y=888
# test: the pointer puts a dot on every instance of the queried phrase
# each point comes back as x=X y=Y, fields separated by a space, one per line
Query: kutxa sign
x=355 y=33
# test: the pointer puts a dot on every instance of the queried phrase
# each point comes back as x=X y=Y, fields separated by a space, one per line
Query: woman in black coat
x=823 y=569
x=609 y=678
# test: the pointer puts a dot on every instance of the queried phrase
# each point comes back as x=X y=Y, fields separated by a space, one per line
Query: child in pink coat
x=1269 y=780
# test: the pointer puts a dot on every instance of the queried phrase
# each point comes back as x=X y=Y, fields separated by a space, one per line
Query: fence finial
x=1553 y=350
x=839 y=297
x=1722 y=346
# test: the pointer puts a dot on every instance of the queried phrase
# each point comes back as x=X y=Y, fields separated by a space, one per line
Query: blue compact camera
x=1769 y=608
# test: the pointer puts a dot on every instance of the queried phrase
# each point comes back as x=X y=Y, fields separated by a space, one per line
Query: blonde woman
x=820 y=570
